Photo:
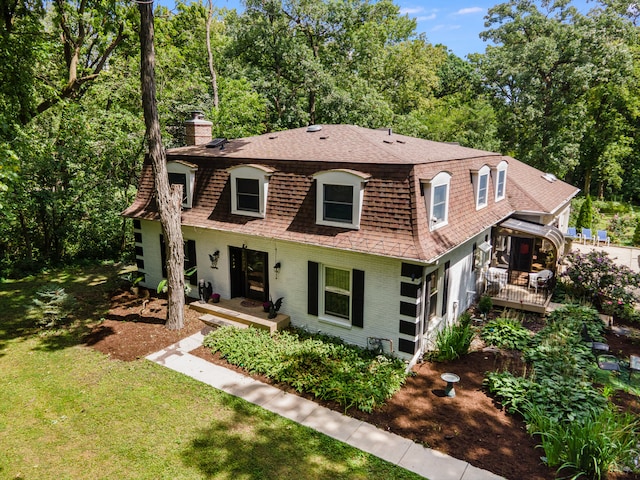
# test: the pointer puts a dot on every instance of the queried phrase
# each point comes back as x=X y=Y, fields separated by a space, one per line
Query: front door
x=521 y=254
x=249 y=277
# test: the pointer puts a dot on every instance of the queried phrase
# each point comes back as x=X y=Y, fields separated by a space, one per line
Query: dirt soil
x=470 y=427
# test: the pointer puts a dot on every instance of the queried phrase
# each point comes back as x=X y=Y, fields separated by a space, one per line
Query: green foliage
x=453 y=341
x=329 y=370
x=485 y=304
x=52 y=307
x=610 y=287
x=585 y=217
x=512 y=391
x=590 y=446
x=636 y=233
x=506 y=333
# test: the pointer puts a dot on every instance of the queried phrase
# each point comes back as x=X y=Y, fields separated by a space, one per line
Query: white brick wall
x=382 y=279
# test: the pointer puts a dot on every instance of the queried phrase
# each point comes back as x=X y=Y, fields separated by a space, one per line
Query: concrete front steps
x=241 y=313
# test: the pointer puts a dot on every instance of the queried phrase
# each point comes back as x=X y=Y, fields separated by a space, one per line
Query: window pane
x=247 y=185
x=439 y=209
x=248 y=194
x=501 y=176
x=337 y=292
x=338 y=193
x=338 y=203
x=336 y=304
x=482 y=190
x=179 y=179
x=337 y=278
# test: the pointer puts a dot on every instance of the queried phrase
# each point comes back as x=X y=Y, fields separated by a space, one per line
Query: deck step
x=215 y=321
x=227 y=311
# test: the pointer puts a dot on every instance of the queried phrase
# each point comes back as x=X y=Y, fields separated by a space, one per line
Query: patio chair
x=608 y=362
x=586 y=235
x=572 y=233
x=540 y=279
x=602 y=236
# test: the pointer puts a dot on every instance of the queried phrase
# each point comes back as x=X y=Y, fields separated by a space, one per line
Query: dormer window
x=249 y=189
x=339 y=197
x=437 y=200
x=183 y=173
x=501 y=180
x=481 y=186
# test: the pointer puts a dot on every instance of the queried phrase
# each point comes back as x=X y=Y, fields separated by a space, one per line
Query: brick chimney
x=197 y=129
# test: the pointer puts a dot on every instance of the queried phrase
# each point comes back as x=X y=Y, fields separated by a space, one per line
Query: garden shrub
x=505 y=333
x=636 y=234
x=453 y=341
x=607 y=285
x=331 y=371
x=585 y=217
x=589 y=447
x=52 y=307
x=485 y=304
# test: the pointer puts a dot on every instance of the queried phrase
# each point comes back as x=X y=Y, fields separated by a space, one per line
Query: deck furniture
x=586 y=235
x=602 y=237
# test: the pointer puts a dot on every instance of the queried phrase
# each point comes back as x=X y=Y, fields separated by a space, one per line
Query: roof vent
x=550 y=177
x=217 y=143
x=314 y=128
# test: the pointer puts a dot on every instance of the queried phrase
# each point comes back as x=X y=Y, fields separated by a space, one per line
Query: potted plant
x=215 y=297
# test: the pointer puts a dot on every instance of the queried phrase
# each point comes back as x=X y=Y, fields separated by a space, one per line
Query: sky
x=454 y=23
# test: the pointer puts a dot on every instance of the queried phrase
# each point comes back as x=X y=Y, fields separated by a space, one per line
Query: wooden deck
x=239 y=312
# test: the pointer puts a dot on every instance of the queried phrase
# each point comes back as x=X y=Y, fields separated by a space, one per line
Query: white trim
x=501 y=170
x=442 y=179
x=323 y=315
x=250 y=172
x=341 y=177
x=189 y=171
x=478 y=177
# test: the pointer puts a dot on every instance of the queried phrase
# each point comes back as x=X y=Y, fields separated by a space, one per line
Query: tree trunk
x=169 y=199
x=212 y=68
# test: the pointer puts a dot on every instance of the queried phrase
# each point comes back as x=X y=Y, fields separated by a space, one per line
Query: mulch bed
x=470 y=427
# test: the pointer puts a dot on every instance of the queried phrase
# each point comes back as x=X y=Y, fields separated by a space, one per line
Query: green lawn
x=68 y=412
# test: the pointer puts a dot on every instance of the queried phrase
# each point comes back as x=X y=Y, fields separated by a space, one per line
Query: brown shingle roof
x=394 y=218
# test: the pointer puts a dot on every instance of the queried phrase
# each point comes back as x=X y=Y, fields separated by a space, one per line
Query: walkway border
x=388 y=446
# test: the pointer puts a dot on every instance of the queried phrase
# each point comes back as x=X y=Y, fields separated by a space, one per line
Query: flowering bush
x=609 y=286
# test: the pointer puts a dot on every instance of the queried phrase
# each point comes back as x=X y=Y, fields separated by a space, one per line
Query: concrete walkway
x=400 y=451
x=627 y=256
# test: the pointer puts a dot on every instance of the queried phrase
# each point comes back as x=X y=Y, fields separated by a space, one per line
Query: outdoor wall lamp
x=214 y=258
x=277 y=267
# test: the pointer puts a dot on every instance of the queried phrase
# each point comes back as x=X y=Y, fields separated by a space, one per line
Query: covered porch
x=524 y=265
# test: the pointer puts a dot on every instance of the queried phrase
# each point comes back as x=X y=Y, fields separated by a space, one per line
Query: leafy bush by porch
x=351 y=376
x=454 y=340
x=507 y=333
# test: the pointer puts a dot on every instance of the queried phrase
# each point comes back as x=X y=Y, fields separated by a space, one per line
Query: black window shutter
x=357 y=299
x=312 y=294
x=445 y=294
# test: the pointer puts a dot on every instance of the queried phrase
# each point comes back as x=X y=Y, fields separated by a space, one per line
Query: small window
x=248 y=193
x=339 y=197
x=482 y=190
x=437 y=198
x=481 y=186
x=338 y=203
x=180 y=179
x=337 y=292
x=249 y=189
x=433 y=294
x=183 y=173
x=501 y=180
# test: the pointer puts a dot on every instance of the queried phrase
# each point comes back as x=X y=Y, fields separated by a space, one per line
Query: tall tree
x=544 y=62
x=168 y=198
